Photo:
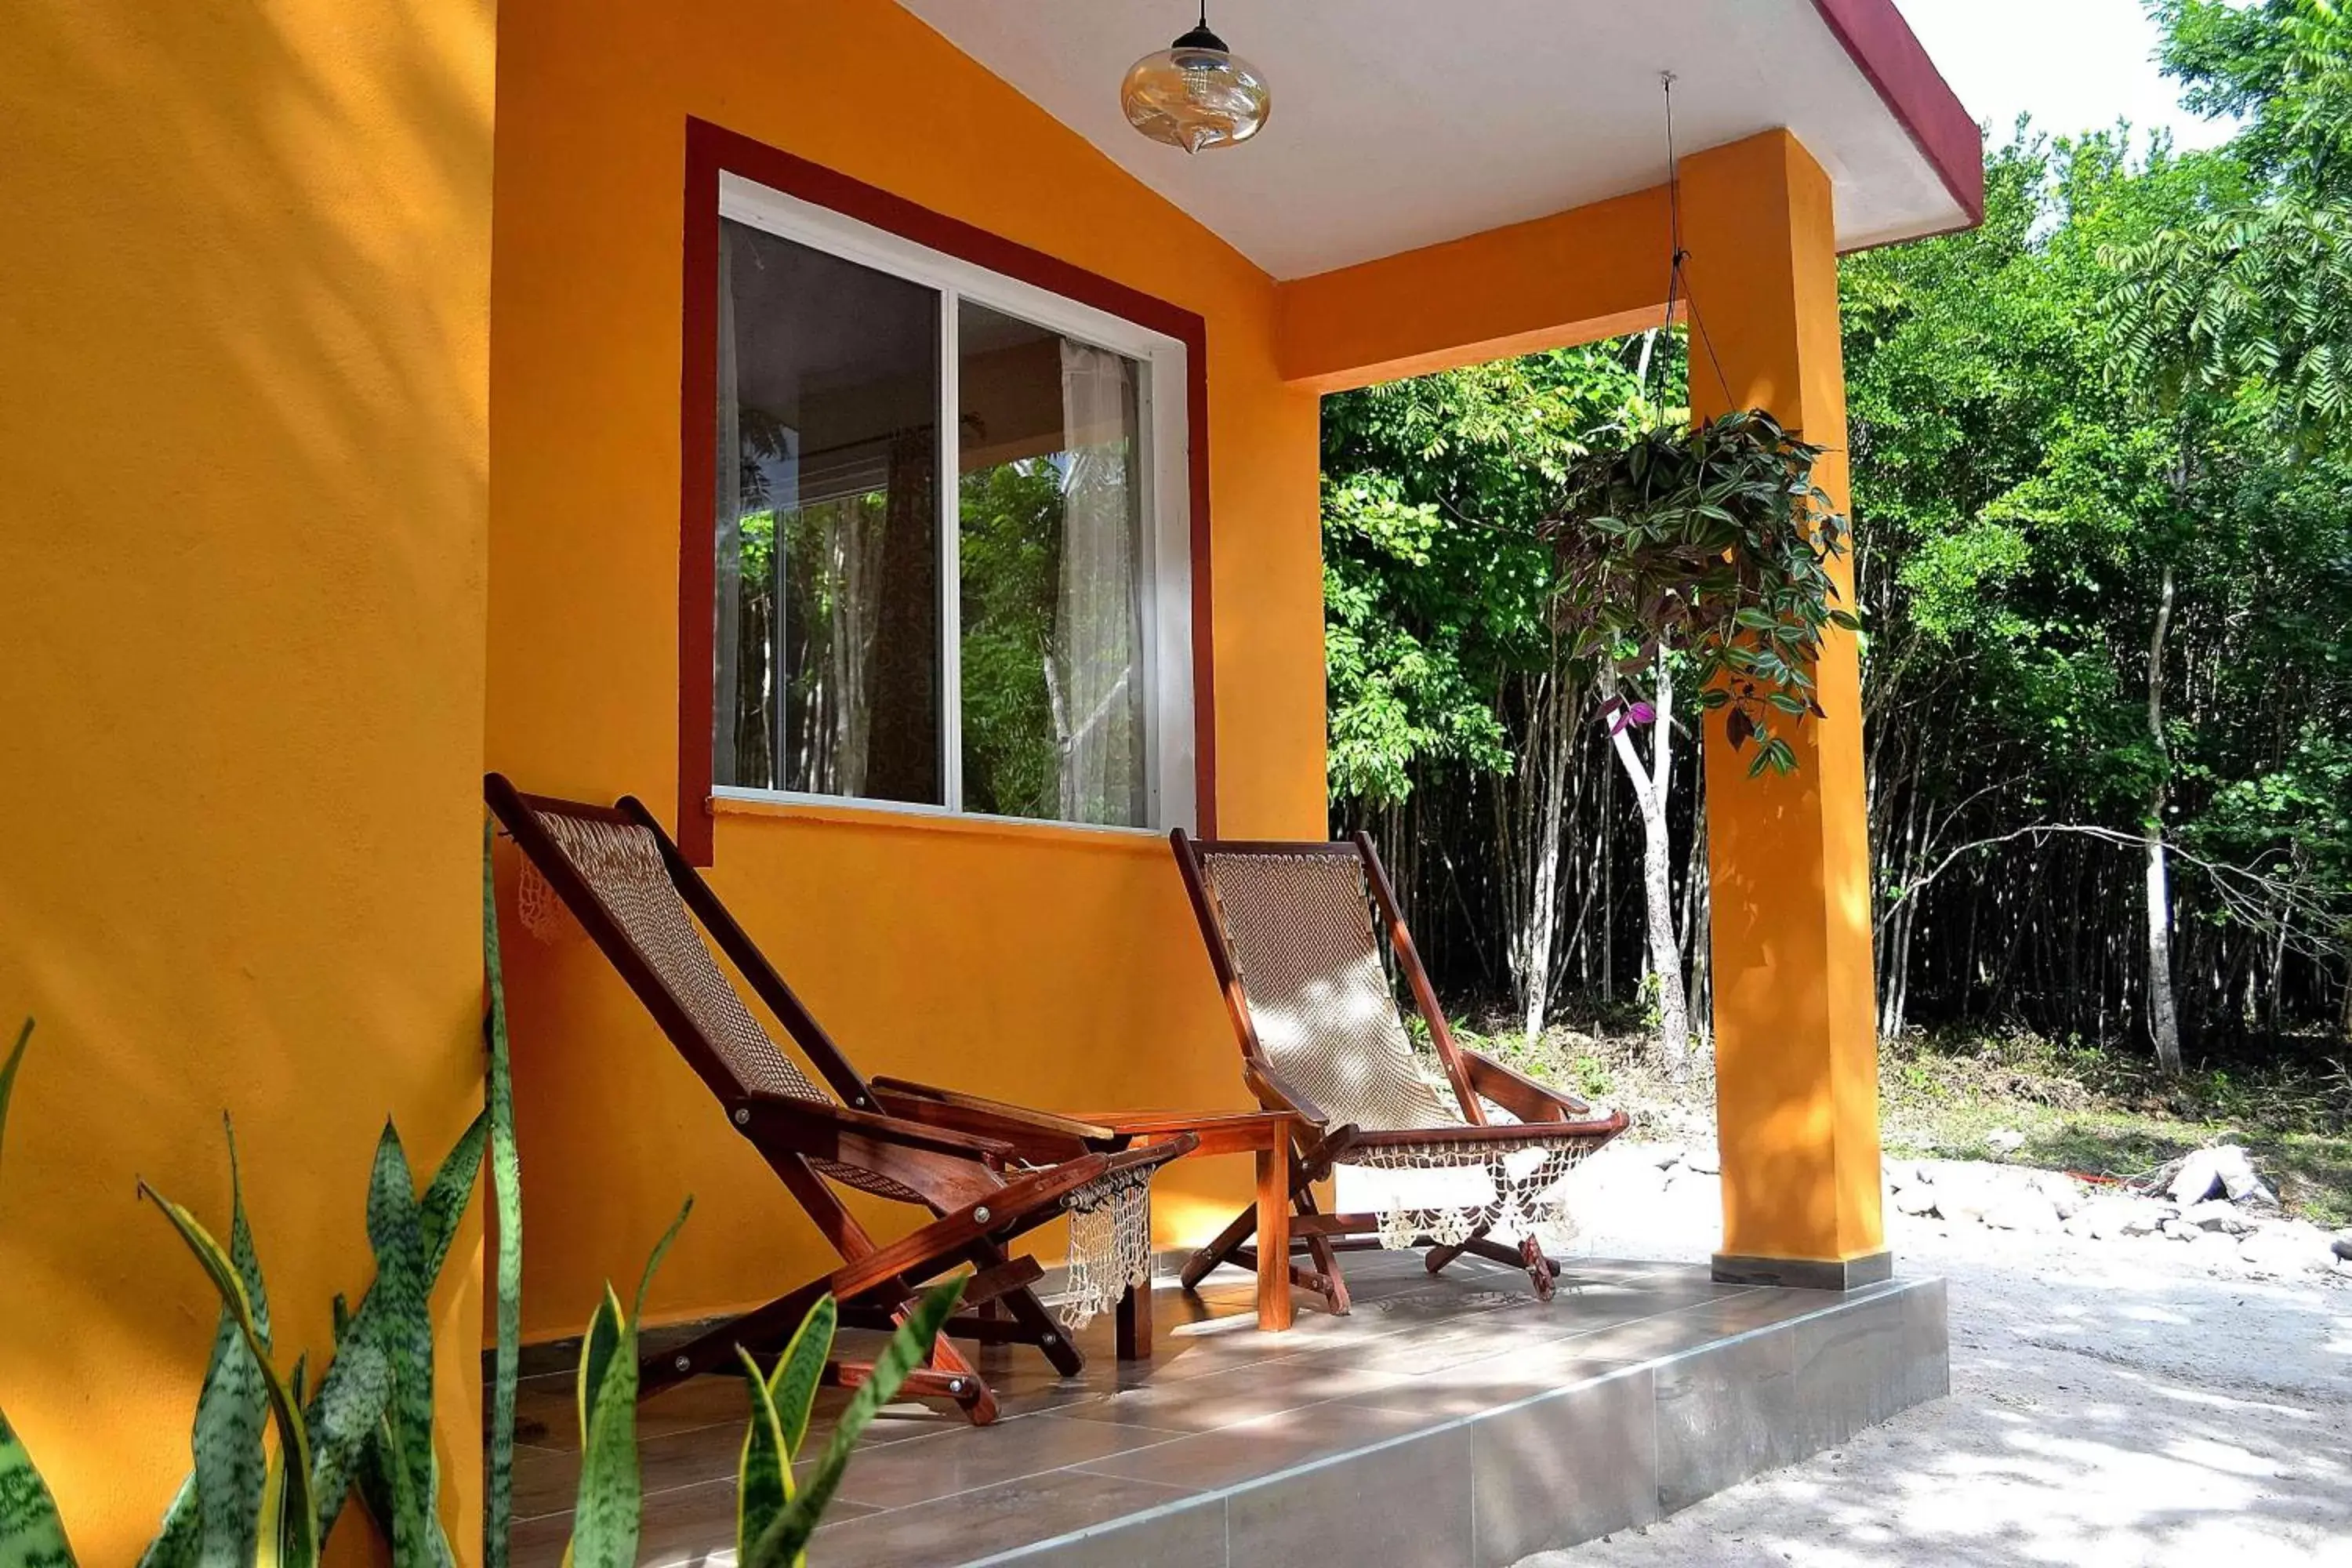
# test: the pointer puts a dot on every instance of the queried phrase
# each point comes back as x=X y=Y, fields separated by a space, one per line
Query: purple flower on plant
x=1638 y=713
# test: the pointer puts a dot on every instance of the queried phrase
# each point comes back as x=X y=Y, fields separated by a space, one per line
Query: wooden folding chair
x=1293 y=932
x=985 y=1172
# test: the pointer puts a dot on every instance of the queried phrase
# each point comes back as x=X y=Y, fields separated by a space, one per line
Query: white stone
x=2217 y=1214
x=2223 y=1168
x=2005 y=1139
x=2142 y=1218
x=2060 y=1190
x=1914 y=1200
x=2181 y=1230
x=2023 y=1211
x=2283 y=1249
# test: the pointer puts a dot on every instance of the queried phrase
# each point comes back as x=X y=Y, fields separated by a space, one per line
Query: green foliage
x=784 y=1541
x=1435 y=584
x=229 y=1452
x=506 y=1190
x=610 y=1507
x=1009 y=562
x=1715 y=542
x=2253 y=292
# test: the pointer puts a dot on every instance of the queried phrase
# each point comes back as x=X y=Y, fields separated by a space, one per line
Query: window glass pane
x=828 y=538
x=1051 y=562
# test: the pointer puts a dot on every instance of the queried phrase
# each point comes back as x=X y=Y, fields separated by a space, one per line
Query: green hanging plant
x=1715 y=542
x=506 y=1192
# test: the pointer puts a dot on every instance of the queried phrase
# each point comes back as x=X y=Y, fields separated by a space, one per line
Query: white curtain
x=1095 y=674
x=729 y=463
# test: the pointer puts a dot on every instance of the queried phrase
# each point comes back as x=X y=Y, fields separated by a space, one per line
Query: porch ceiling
x=1400 y=124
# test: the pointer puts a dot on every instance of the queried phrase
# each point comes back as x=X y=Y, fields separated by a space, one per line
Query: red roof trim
x=1891 y=56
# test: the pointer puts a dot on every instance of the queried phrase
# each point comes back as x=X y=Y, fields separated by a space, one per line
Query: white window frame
x=1163 y=424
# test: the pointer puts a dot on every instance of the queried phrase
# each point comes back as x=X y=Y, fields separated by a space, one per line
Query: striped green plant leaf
x=800 y=1371
x=31 y=1533
x=784 y=1543
x=441 y=1207
x=296 y=1543
x=233 y=1408
x=506 y=1188
x=608 y=1510
x=8 y=1077
x=351 y=1396
x=764 y=1475
x=395 y=1230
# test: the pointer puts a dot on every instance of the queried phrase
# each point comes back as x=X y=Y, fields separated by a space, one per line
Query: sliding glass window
x=1008 y=637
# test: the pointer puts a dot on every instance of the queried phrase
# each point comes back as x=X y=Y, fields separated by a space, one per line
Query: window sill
x=931 y=820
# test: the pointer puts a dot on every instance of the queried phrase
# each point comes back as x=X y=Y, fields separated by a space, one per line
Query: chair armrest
x=1278 y=1093
x=1517 y=1093
x=1033 y=1132
x=829 y=1132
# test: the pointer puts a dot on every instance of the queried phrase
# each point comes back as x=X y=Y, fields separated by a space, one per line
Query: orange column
x=1796 y=1044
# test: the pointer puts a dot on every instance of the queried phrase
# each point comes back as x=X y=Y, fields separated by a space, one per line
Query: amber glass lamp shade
x=1196 y=94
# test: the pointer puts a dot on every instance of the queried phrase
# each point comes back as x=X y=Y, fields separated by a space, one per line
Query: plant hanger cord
x=1677 y=281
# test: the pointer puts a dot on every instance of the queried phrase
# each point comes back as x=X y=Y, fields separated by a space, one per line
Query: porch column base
x=1805 y=1273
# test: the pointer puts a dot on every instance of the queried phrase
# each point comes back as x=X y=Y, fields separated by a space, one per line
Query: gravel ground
x=2112 y=1403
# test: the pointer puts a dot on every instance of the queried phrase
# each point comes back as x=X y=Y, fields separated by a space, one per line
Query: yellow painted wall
x=243 y=510
x=1058 y=968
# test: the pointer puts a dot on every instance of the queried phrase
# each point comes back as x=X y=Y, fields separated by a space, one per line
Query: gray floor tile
x=974 y=1525
x=1725 y=1413
x=1564 y=1468
x=1230 y=1456
x=1403 y=1506
x=906 y=1473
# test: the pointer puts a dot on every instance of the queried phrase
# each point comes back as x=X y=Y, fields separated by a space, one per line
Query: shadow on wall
x=243 y=474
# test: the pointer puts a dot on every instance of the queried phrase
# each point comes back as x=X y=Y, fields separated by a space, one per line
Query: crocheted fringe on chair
x=1451 y=1191
x=1110 y=1243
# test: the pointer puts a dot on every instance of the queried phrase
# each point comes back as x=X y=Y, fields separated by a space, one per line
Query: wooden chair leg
x=1220 y=1250
x=1276 y=1310
x=1134 y=1324
x=1327 y=1261
x=1044 y=1329
x=1439 y=1255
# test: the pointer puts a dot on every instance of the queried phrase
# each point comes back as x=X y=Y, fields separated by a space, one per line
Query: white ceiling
x=1398 y=124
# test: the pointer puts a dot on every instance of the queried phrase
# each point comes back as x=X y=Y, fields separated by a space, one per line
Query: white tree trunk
x=1651 y=787
x=1532 y=821
x=2163 y=1020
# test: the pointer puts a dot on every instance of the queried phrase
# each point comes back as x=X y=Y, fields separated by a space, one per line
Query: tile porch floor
x=1448 y=1421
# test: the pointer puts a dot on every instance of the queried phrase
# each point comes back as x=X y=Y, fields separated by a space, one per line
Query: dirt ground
x=2112 y=1403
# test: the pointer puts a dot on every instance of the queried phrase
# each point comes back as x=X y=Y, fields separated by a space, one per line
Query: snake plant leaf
x=395 y=1229
x=609 y=1509
x=343 y=1416
x=654 y=1259
x=233 y=1408
x=506 y=1186
x=31 y=1533
x=764 y=1475
x=800 y=1371
x=8 y=1076
x=441 y=1208
x=296 y=1543
x=784 y=1543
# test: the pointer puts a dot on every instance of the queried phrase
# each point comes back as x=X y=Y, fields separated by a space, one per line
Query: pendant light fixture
x=1196 y=93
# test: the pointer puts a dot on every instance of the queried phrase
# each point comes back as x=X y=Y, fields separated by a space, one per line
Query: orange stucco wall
x=1058 y=968
x=243 y=459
